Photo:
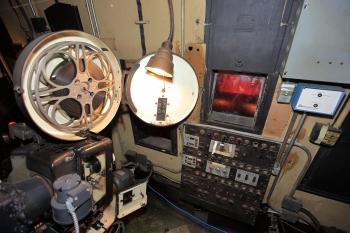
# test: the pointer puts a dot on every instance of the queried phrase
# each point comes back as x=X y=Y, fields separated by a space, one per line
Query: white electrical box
x=317 y=99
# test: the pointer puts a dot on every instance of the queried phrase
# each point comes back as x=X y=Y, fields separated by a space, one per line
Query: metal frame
x=289 y=16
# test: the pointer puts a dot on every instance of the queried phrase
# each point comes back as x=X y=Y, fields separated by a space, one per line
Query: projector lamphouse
x=67 y=82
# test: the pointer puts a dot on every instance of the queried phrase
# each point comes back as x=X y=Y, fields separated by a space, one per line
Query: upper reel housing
x=67 y=82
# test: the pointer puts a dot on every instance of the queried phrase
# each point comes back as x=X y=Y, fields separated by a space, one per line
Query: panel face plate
x=191 y=140
x=246 y=177
x=231 y=177
x=317 y=99
x=217 y=169
x=321 y=47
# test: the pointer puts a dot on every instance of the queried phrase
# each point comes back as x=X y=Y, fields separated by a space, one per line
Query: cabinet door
x=244 y=35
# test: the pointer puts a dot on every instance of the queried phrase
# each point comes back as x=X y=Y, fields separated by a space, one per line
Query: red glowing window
x=237 y=93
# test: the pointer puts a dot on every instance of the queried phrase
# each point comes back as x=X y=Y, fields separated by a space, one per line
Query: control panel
x=225 y=170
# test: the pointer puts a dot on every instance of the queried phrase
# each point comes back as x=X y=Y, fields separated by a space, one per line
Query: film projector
x=64 y=178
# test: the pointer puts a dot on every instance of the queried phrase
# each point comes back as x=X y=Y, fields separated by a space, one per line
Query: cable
x=305 y=168
x=343 y=104
x=142 y=30
x=171 y=14
x=300 y=177
x=312 y=218
x=71 y=210
x=285 y=154
x=188 y=214
x=293 y=227
x=116 y=227
x=308 y=223
x=282 y=226
x=287 y=135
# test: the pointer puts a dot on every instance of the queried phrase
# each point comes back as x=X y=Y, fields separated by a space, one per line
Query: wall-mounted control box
x=317 y=99
x=226 y=171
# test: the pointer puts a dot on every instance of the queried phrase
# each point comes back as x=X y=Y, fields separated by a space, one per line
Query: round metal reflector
x=162 y=101
x=68 y=82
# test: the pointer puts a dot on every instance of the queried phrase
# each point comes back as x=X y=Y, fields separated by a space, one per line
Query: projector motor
x=68 y=181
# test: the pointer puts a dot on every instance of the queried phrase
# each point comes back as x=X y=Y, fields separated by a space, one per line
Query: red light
x=12 y=123
x=237 y=93
x=238 y=84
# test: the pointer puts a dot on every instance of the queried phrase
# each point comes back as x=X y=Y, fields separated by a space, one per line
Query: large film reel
x=68 y=82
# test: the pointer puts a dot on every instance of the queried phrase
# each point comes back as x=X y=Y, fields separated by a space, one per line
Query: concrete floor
x=159 y=217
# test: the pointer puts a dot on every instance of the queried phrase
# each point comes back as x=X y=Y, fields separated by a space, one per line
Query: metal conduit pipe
x=301 y=174
x=95 y=18
x=182 y=30
x=87 y=4
x=286 y=153
x=287 y=136
x=294 y=138
x=304 y=170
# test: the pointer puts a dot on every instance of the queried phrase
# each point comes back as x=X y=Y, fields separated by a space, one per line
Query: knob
x=224 y=138
x=231 y=138
x=264 y=146
x=202 y=131
x=273 y=148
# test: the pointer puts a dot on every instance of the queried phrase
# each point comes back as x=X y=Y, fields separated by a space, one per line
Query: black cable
x=142 y=31
x=171 y=14
x=282 y=226
x=188 y=214
x=310 y=224
x=291 y=226
x=117 y=227
x=312 y=218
